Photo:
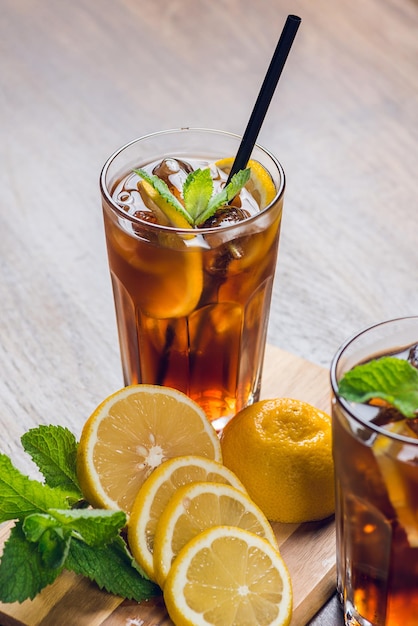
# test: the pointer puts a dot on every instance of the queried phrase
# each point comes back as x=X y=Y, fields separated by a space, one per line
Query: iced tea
x=376 y=467
x=192 y=304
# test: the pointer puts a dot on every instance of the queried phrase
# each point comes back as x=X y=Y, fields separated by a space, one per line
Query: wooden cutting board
x=308 y=549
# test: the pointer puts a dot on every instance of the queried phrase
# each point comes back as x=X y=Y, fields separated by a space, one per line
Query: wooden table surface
x=78 y=79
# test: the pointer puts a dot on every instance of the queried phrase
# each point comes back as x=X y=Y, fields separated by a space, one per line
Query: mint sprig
x=52 y=533
x=388 y=378
x=199 y=202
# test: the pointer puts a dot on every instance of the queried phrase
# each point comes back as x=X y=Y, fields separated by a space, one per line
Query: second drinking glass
x=376 y=470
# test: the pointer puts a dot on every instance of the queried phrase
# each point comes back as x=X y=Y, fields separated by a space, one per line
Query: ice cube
x=173 y=172
x=146 y=216
x=387 y=415
x=413 y=355
x=226 y=216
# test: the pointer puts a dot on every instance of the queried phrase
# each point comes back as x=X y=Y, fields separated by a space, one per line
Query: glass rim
x=344 y=404
x=170 y=229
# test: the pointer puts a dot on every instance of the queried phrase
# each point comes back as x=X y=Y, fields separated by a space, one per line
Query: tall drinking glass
x=376 y=470
x=192 y=305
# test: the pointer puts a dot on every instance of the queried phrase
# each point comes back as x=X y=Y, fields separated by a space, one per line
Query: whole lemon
x=280 y=449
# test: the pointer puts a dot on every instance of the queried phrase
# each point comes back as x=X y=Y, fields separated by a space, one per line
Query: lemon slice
x=401 y=485
x=174 y=283
x=130 y=434
x=155 y=494
x=227 y=576
x=260 y=185
x=175 y=265
x=166 y=277
x=199 y=506
x=172 y=213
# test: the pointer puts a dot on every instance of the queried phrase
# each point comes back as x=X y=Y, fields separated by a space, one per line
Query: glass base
x=352 y=618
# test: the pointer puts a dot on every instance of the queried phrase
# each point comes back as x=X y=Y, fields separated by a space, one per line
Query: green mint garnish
x=23 y=574
x=53 y=540
x=53 y=533
x=197 y=191
x=112 y=568
x=96 y=527
x=388 y=378
x=199 y=202
x=228 y=193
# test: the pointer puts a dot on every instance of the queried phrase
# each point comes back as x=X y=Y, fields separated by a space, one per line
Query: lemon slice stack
x=192 y=526
x=196 y=532
x=158 y=489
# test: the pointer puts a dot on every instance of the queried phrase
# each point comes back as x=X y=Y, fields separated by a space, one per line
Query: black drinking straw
x=266 y=93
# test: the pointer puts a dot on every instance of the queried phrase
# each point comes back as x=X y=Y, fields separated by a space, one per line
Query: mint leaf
x=21 y=496
x=22 y=572
x=36 y=524
x=96 y=527
x=53 y=531
x=111 y=568
x=197 y=191
x=226 y=195
x=54 y=450
x=53 y=540
x=388 y=378
x=53 y=547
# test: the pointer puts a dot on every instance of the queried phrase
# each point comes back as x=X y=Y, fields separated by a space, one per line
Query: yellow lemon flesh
x=157 y=491
x=227 y=576
x=281 y=451
x=130 y=434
